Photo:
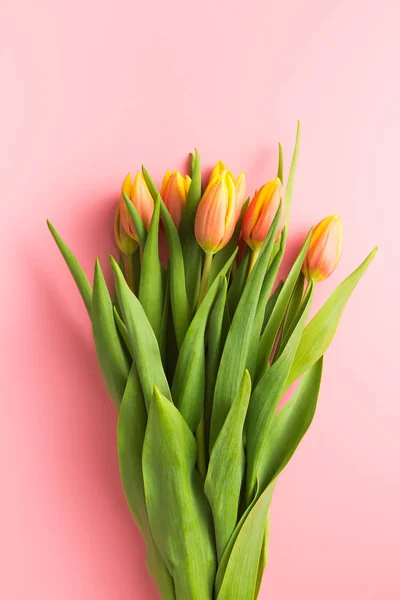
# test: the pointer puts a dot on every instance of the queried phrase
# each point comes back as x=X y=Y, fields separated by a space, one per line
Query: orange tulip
x=174 y=191
x=126 y=243
x=216 y=215
x=239 y=183
x=261 y=212
x=140 y=196
x=324 y=249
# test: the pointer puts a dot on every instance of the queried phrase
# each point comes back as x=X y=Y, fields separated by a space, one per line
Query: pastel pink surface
x=91 y=90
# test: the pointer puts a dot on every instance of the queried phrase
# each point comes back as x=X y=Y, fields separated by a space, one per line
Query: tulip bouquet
x=198 y=345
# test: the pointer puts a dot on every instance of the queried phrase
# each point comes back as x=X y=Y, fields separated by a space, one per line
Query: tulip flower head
x=216 y=214
x=174 y=191
x=126 y=243
x=324 y=249
x=239 y=183
x=261 y=212
x=140 y=196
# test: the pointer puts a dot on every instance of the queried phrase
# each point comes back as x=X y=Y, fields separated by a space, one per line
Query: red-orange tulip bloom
x=324 y=249
x=174 y=191
x=140 y=196
x=216 y=214
x=261 y=212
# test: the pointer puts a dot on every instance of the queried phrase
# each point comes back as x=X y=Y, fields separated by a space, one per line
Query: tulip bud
x=126 y=244
x=174 y=191
x=324 y=249
x=261 y=212
x=239 y=183
x=140 y=196
x=216 y=215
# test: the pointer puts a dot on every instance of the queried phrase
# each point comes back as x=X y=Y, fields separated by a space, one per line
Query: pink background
x=91 y=90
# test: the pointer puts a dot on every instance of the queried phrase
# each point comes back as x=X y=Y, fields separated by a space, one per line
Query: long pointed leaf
x=192 y=253
x=151 y=284
x=265 y=399
x=179 y=299
x=142 y=339
x=234 y=356
x=189 y=379
x=83 y=285
x=270 y=332
x=179 y=514
x=225 y=471
x=320 y=331
x=112 y=358
x=131 y=429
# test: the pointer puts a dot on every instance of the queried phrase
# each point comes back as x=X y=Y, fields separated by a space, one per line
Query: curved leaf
x=83 y=285
x=178 y=511
x=143 y=341
x=290 y=424
x=137 y=220
x=179 y=299
x=265 y=399
x=112 y=358
x=234 y=355
x=189 y=378
x=270 y=332
x=192 y=254
x=151 y=294
x=225 y=471
x=320 y=331
x=131 y=429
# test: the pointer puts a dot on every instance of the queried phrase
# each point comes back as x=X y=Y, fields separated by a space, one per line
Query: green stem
x=204 y=278
x=130 y=279
x=201 y=449
x=253 y=260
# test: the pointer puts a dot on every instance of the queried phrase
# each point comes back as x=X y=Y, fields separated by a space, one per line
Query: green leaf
x=137 y=220
x=179 y=299
x=142 y=339
x=222 y=256
x=292 y=172
x=234 y=355
x=192 y=163
x=238 y=284
x=225 y=471
x=131 y=428
x=178 y=511
x=238 y=573
x=271 y=330
x=84 y=287
x=110 y=353
x=215 y=342
x=271 y=303
x=291 y=311
x=320 y=331
x=164 y=322
x=192 y=253
x=151 y=295
x=280 y=164
x=189 y=379
x=265 y=399
x=290 y=424
x=267 y=286
x=263 y=557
